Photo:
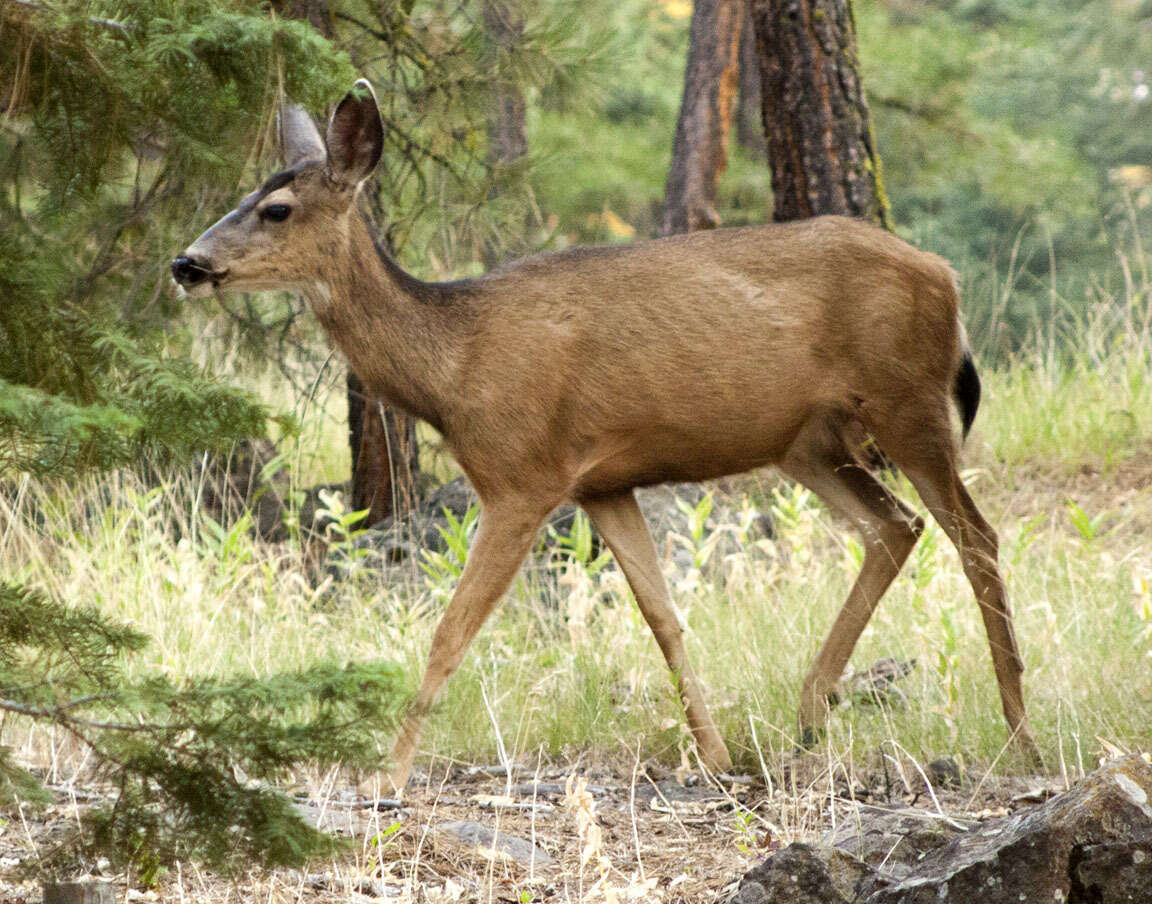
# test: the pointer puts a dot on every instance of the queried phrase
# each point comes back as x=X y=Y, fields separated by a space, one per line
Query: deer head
x=272 y=239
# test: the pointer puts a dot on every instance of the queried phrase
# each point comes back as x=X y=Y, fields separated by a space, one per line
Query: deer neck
x=402 y=337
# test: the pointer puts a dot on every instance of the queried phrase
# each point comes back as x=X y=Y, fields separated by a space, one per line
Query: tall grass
x=1059 y=462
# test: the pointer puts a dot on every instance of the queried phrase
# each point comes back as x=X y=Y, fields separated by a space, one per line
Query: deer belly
x=701 y=451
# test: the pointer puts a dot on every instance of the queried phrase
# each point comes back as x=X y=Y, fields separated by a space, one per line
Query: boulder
x=892 y=842
x=804 y=874
x=1089 y=845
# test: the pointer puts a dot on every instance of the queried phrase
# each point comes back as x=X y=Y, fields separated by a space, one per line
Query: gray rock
x=496 y=845
x=85 y=892
x=891 y=841
x=1063 y=850
x=803 y=874
x=943 y=773
x=242 y=482
x=1090 y=845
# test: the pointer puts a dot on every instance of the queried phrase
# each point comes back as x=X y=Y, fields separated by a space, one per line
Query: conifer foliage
x=120 y=123
x=190 y=764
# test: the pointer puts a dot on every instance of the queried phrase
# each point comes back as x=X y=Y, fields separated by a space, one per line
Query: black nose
x=188 y=271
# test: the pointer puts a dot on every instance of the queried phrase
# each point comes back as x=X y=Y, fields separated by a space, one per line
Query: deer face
x=280 y=236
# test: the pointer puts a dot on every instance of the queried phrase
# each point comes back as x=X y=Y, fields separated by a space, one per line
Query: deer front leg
x=621 y=524
x=507 y=529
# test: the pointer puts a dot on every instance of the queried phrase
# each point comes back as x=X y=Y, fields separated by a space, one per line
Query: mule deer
x=583 y=374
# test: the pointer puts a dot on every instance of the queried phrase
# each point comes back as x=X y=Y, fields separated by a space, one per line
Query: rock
x=892 y=841
x=876 y=684
x=1089 y=845
x=243 y=482
x=803 y=874
x=496 y=845
x=86 y=892
x=1114 y=872
x=1092 y=844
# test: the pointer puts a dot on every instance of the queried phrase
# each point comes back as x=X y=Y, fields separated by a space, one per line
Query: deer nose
x=188 y=271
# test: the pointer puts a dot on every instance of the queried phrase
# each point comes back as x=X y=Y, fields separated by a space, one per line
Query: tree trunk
x=385 y=455
x=700 y=149
x=508 y=124
x=507 y=130
x=820 y=144
x=750 y=108
x=315 y=12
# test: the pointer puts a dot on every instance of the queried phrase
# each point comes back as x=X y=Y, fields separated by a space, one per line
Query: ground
x=555 y=832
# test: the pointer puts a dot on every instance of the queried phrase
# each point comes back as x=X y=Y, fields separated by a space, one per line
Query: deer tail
x=966 y=389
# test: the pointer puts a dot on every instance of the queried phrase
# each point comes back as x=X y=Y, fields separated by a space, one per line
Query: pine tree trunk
x=508 y=124
x=315 y=12
x=385 y=455
x=750 y=108
x=507 y=130
x=816 y=120
x=700 y=149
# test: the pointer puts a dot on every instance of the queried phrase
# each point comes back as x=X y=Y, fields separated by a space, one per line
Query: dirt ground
x=554 y=833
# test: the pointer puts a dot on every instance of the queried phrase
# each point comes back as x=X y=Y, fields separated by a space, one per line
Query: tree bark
x=507 y=130
x=508 y=124
x=700 y=148
x=820 y=144
x=315 y=12
x=750 y=107
x=385 y=455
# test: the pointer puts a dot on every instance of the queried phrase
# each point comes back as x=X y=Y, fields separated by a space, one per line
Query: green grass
x=1059 y=462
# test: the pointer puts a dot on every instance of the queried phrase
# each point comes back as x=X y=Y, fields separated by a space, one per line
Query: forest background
x=1015 y=139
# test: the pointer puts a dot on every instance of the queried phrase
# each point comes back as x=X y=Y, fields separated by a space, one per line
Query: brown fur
x=583 y=374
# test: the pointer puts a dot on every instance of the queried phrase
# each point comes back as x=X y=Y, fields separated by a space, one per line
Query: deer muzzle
x=188 y=271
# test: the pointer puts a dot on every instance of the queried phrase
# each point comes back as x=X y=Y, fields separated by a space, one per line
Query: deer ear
x=355 y=136
x=300 y=141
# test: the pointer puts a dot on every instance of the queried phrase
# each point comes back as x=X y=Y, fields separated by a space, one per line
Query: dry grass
x=616 y=831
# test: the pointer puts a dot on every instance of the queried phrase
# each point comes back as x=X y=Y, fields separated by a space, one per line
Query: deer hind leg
x=621 y=524
x=821 y=460
x=933 y=472
x=507 y=530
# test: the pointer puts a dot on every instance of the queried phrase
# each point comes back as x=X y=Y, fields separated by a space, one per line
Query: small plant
x=947 y=663
x=700 y=541
x=341 y=528
x=443 y=569
x=1028 y=533
x=925 y=562
x=383 y=840
x=1142 y=587
x=795 y=513
x=744 y=823
x=1089 y=528
x=231 y=545
x=578 y=546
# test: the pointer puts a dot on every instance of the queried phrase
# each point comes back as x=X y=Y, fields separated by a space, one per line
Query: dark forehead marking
x=275 y=181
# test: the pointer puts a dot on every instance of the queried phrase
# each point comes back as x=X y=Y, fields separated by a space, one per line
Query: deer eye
x=277 y=213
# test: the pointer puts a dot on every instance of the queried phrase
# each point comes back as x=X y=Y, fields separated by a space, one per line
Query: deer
x=583 y=374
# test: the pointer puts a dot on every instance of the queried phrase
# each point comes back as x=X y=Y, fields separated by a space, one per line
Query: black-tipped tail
x=966 y=391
